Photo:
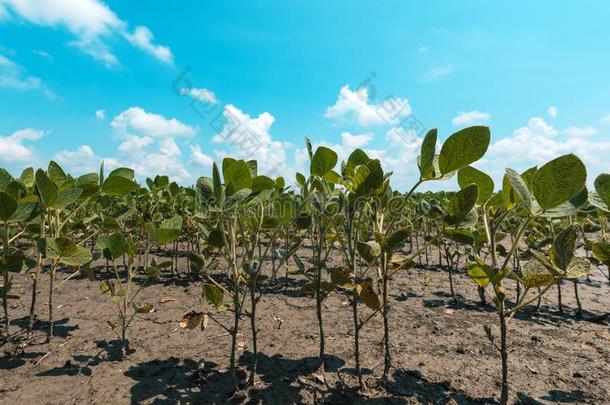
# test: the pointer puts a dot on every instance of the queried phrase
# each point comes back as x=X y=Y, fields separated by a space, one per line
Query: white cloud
x=355 y=141
x=198 y=158
x=437 y=73
x=142 y=38
x=100 y=115
x=580 y=132
x=82 y=160
x=135 y=143
x=249 y=138
x=552 y=111
x=355 y=105
x=470 y=118
x=200 y=94
x=12 y=149
x=149 y=124
x=92 y=22
x=13 y=76
x=537 y=143
x=606 y=119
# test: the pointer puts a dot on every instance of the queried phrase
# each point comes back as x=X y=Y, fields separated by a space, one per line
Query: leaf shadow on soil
x=61 y=327
x=82 y=364
x=555 y=396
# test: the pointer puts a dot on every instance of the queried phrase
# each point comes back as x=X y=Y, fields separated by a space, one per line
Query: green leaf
x=118 y=185
x=115 y=244
x=426 y=159
x=602 y=187
x=369 y=251
x=47 y=190
x=558 y=181
x=519 y=187
x=396 y=239
x=601 y=250
x=461 y=204
x=27 y=177
x=213 y=295
x=322 y=161
x=300 y=179
x=56 y=173
x=8 y=206
x=469 y=175
x=463 y=148
x=216 y=238
x=260 y=183
x=174 y=222
x=237 y=176
x=563 y=247
x=162 y=235
x=579 y=267
x=25 y=212
x=80 y=257
x=67 y=197
x=217 y=184
x=16 y=262
x=357 y=157
x=479 y=276
x=125 y=172
x=571 y=207
x=536 y=275
x=5 y=178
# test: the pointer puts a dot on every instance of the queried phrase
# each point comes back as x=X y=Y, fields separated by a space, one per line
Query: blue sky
x=85 y=81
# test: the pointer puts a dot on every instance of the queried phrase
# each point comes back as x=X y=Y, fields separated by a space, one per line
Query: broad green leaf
x=26 y=211
x=16 y=262
x=479 y=276
x=163 y=235
x=536 y=275
x=579 y=267
x=519 y=187
x=558 y=181
x=8 y=206
x=396 y=239
x=571 y=207
x=368 y=177
x=47 y=190
x=236 y=175
x=426 y=158
x=216 y=238
x=463 y=148
x=461 y=204
x=123 y=172
x=213 y=295
x=602 y=187
x=80 y=257
x=174 y=222
x=118 y=185
x=357 y=157
x=300 y=179
x=563 y=247
x=469 y=175
x=323 y=161
x=27 y=177
x=260 y=183
x=56 y=173
x=115 y=244
x=369 y=251
x=67 y=197
x=5 y=178
x=205 y=190
x=601 y=250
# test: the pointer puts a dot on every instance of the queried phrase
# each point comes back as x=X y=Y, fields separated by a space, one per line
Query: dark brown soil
x=441 y=353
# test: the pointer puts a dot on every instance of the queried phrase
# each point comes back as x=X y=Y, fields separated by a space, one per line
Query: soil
x=440 y=351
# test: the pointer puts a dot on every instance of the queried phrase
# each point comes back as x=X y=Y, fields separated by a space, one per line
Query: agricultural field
x=332 y=287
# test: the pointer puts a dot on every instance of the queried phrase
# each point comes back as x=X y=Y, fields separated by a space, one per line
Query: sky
x=169 y=88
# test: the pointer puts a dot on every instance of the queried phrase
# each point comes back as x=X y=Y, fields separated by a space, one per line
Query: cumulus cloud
x=470 y=118
x=355 y=105
x=13 y=150
x=14 y=76
x=136 y=119
x=82 y=160
x=100 y=115
x=198 y=158
x=203 y=95
x=580 y=132
x=91 y=22
x=539 y=142
x=552 y=111
x=250 y=138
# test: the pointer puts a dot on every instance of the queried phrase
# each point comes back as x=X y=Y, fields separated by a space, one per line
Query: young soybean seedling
x=550 y=192
x=120 y=288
